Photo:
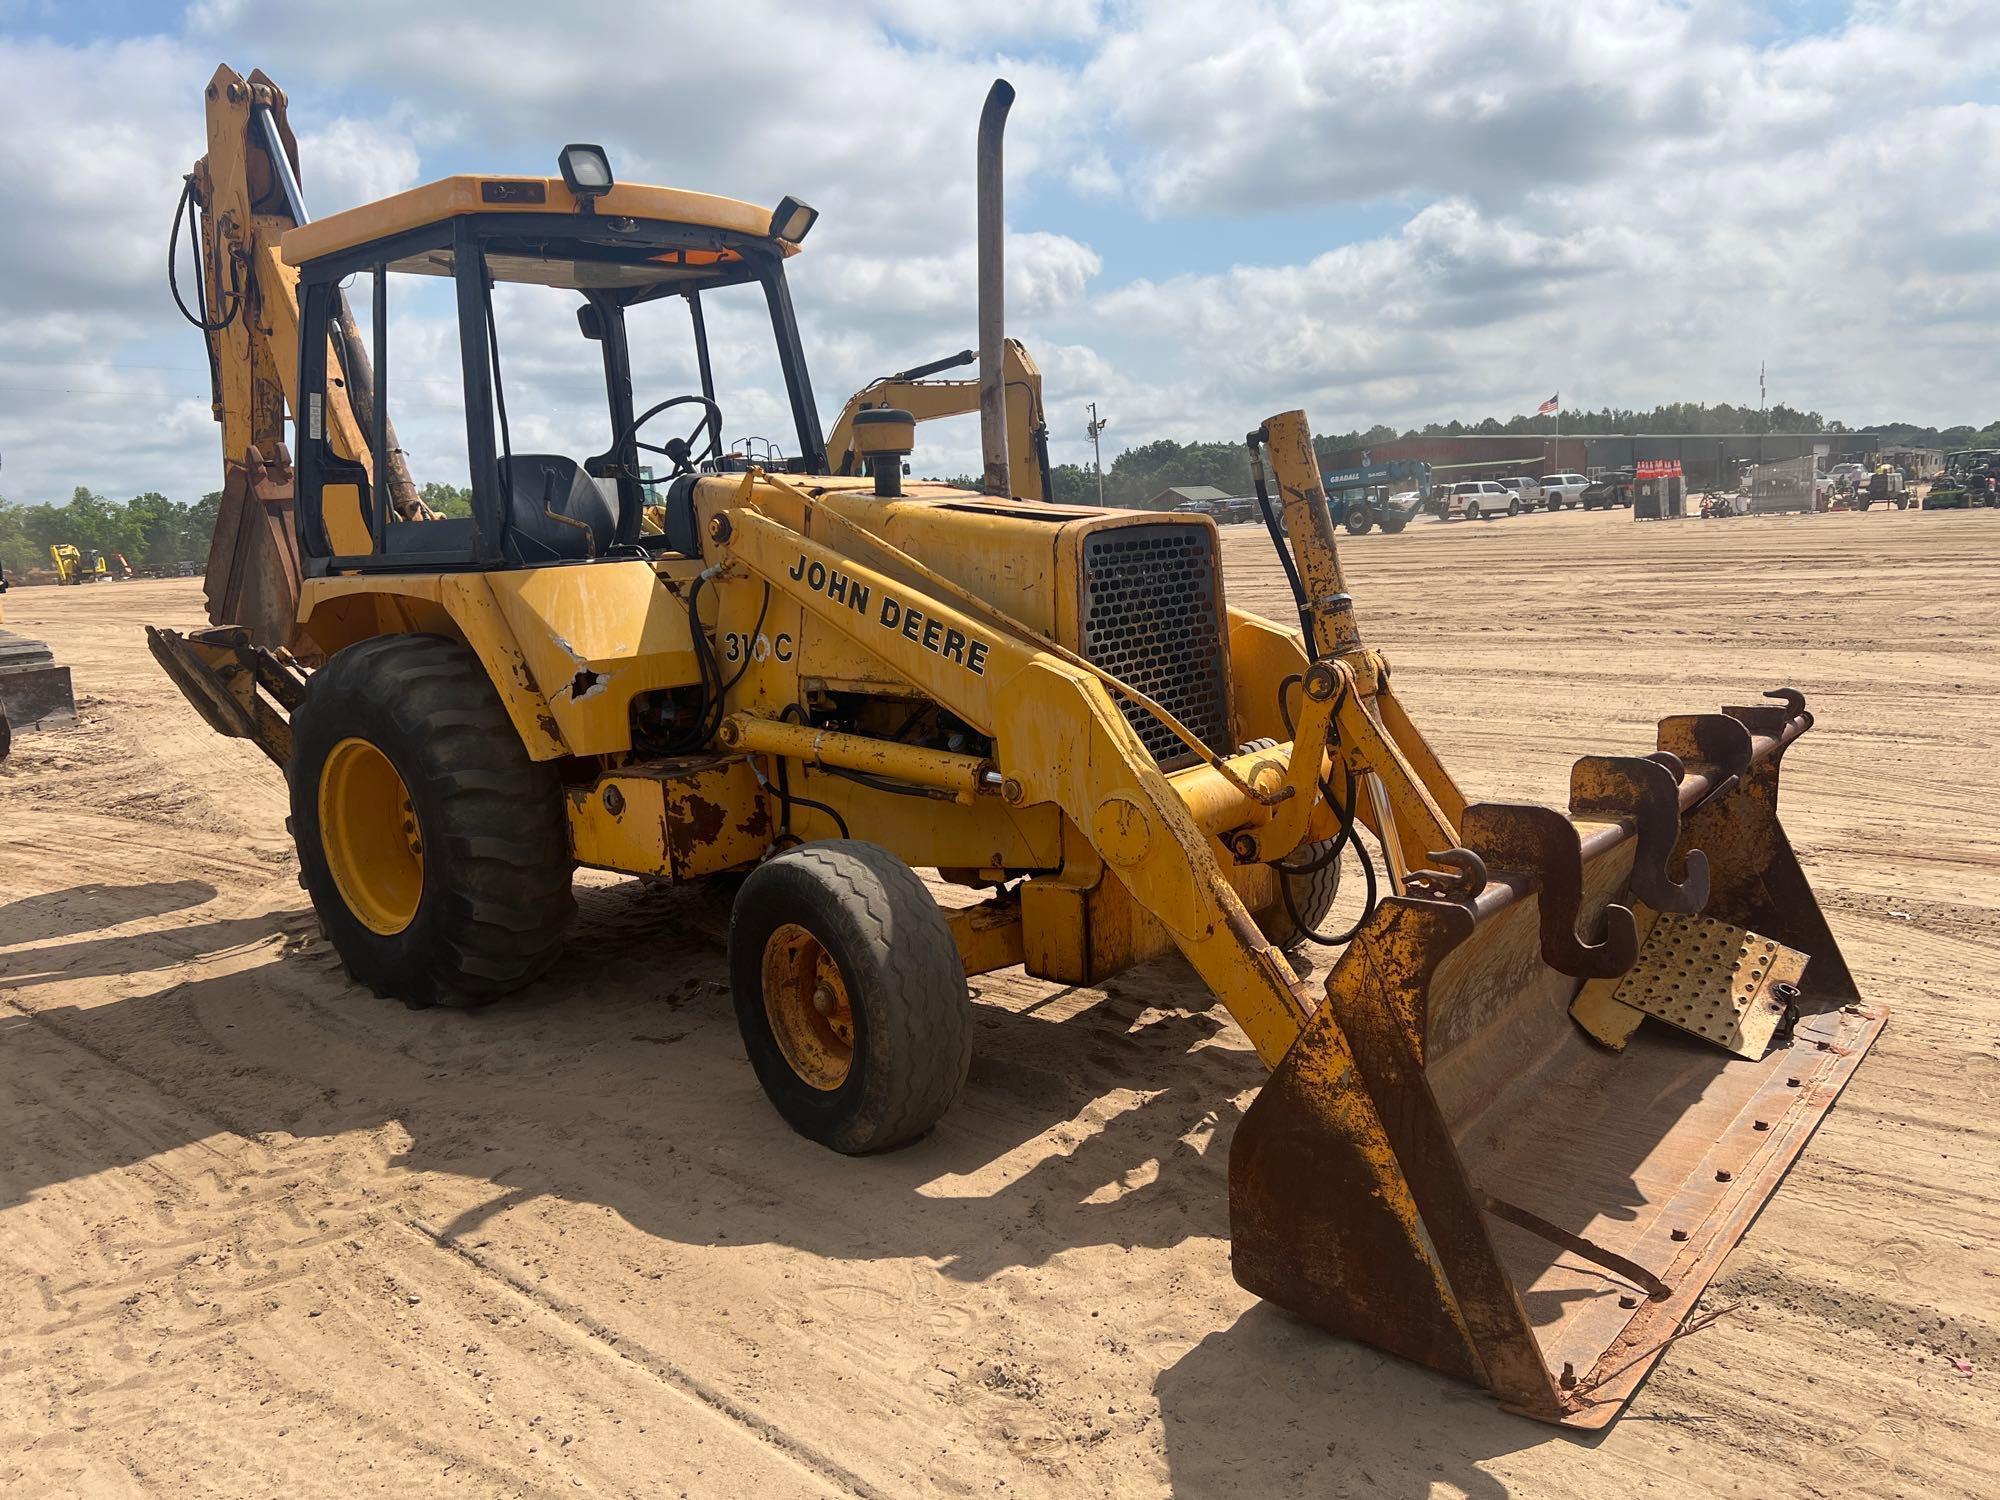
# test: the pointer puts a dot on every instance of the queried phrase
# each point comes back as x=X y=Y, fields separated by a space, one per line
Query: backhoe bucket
x=1477 y=1157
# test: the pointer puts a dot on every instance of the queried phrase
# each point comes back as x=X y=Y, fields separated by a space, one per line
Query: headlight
x=586 y=170
x=791 y=219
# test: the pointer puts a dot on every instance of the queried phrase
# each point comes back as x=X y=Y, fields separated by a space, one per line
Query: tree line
x=150 y=530
x=155 y=532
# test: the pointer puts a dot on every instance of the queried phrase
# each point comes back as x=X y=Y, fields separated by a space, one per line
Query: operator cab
x=612 y=248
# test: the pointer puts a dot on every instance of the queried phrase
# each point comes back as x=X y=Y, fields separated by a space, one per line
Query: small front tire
x=1313 y=895
x=850 y=994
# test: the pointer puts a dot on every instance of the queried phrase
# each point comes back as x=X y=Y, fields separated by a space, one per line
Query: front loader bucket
x=1448 y=1165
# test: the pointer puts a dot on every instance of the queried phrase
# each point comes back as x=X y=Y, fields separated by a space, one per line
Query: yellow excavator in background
x=77 y=564
x=1560 y=1059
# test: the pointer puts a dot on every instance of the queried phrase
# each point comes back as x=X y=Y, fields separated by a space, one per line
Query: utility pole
x=1097 y=425
x=1763 y=406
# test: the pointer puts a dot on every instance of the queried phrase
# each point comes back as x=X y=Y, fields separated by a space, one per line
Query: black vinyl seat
x=555 y=511
x=683 y=531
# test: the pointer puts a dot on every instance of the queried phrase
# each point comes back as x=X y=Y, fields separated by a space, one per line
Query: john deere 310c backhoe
x=1560 y=1060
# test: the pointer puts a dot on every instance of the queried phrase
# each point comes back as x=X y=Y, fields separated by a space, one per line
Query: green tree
x=447 y=499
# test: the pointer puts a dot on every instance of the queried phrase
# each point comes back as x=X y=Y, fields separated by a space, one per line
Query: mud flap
x=1446 y=1166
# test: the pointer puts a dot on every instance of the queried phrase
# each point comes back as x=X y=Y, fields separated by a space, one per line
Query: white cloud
x=1637 y=200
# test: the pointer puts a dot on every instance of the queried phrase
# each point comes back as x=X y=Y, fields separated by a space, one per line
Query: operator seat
x=683 y=529
x=555 y=511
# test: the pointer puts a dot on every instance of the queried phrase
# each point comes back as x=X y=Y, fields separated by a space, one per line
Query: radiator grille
x=1152 y=617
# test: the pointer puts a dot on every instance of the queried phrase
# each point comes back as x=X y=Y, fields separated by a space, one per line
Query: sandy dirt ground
x=262 y=1233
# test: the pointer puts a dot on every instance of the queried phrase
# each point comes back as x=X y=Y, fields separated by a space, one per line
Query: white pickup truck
x=1559 y=490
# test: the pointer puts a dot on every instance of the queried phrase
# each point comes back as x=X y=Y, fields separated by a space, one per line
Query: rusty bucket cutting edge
x=1445 y=1166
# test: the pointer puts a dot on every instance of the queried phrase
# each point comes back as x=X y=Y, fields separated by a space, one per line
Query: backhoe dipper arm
x=1058 y=739
x=927 y=400
x=245 y=196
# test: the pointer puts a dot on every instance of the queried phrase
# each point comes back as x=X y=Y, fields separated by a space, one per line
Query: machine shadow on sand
x=620 y=1081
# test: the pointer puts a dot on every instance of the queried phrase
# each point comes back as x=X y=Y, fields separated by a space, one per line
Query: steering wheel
x=679 y=451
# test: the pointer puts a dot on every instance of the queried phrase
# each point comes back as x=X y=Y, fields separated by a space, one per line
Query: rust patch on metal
x=696 y=822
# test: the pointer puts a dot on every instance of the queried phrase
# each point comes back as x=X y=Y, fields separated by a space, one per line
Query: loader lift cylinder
x=993 y=287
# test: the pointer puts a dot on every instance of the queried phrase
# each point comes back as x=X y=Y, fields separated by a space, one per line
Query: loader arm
x=928 y=400
x=1058 y=739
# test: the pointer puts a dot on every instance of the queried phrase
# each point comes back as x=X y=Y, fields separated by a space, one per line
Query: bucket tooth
x=1644 y=793
x=1541 y=847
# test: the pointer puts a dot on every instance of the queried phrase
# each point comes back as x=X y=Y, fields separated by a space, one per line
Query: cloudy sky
x=1378 y=211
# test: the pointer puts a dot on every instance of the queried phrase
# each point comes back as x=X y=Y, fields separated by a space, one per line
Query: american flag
x=1549 y=405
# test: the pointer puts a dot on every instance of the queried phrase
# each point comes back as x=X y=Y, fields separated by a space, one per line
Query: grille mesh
x=1152 y=618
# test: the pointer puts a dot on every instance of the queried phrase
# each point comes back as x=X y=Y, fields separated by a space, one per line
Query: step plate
x=1713 y=979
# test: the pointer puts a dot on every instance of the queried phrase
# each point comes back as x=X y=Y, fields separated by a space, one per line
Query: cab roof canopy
x=632 y=236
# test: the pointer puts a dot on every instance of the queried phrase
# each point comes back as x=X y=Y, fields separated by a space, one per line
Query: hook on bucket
x=1542 y=845
x=1718 y=743
x=1644 y=792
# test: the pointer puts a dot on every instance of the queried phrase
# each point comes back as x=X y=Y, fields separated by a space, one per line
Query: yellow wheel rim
x=369 y=833
x=806 y=1002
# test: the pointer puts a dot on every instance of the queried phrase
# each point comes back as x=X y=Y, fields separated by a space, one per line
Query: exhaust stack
x=992 y=288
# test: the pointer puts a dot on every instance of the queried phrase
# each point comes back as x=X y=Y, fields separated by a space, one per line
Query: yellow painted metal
x=988 y=934
x=1444 y=794
x=963 y=777
x=1060 y=740
x=341 y=506
x=679 y=820
x=929 y=400
x=567 y=648
x=807 y=1004
x=453 y=197
x=1308 y=521
x=369 y=833
x=1418 y=823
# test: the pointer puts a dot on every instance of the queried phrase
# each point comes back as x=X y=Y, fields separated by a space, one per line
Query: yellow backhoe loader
x=1560 y=1060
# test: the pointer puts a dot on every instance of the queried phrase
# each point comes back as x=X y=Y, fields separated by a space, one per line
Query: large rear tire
x=850 y=994
x=435 y=850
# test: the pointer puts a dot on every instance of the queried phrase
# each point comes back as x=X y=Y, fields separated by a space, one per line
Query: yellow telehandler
x=1560 y=1060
